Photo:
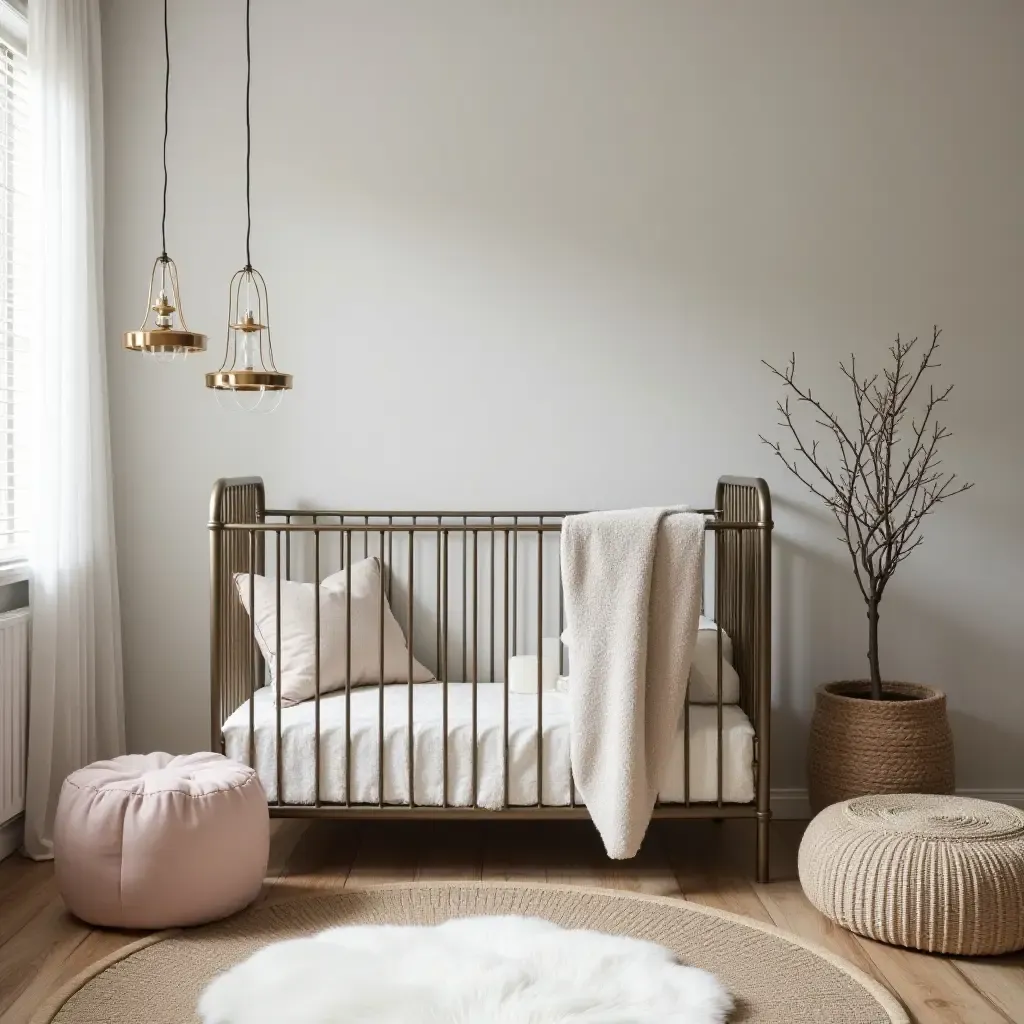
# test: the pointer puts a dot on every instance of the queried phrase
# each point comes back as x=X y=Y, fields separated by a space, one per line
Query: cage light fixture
x=164 y=334
x=248 y=375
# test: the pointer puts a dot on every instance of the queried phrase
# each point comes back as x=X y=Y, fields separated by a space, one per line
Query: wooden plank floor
x=41 y=946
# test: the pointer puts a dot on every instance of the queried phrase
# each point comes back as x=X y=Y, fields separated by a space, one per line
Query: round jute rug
x=774 y=977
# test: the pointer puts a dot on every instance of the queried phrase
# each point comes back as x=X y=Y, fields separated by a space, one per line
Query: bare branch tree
x=887 y=477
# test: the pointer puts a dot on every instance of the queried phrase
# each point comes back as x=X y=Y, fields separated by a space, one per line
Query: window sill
x=14 y=572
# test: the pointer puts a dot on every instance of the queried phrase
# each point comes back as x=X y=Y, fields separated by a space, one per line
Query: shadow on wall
x=820 y=635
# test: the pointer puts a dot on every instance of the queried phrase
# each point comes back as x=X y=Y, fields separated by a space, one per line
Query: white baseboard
x=11 y=835
x=793 y=803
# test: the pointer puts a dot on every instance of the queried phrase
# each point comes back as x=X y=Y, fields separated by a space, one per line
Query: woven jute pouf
x=944 y=874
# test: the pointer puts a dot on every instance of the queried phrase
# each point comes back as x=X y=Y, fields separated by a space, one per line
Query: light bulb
x=163 y=318
x=249 y=350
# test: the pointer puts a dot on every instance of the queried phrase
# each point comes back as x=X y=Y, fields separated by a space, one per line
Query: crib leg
x=764 y=819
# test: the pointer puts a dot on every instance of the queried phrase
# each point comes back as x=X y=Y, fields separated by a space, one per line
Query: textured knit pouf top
x=944 y=874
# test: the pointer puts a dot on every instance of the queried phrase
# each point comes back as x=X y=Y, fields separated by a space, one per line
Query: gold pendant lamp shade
x=164 y=333
x=159 y=335
x=248 y=366
x=248 y=377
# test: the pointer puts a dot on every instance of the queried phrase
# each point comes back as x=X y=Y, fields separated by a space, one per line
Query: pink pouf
x=157 y=841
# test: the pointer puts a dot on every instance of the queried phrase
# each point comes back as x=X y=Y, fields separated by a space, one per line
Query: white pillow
x=703 y=688
x=298 y=652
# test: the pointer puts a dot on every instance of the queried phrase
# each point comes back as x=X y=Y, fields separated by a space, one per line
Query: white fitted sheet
x=298 y=748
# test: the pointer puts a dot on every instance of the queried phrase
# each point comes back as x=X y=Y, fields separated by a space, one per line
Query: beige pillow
x=298 y=652
x=703 y=687
x=704 y=669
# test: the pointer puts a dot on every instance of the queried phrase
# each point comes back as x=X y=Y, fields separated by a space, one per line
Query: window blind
x=14 y=243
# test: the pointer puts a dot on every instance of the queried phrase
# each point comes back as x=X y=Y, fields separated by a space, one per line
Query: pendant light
x=248 y=376
x=159 y=336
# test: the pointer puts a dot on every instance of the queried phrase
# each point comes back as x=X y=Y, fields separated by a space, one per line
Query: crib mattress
x=298 y=748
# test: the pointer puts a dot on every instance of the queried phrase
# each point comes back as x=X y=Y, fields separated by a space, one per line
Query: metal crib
x=474 y=588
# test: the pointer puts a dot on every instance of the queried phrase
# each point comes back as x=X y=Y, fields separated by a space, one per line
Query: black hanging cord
x=248 y=137
x=167 y=107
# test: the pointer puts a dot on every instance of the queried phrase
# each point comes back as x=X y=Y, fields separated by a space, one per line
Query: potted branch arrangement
x=880 y=475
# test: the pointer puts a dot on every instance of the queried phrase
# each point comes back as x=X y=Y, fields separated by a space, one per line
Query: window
x=14 y=371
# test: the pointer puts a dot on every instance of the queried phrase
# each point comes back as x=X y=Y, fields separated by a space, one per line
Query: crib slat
x=437 y=600
x=741 y=615
x=719 y=585
x=348 y=668
x=540 y=667
x=561 y=618
x=219 y=680
x=229 y=543
x=288 y=550
x=515 y=586
x=410 y=752
x=465 y=521
x=444 y=697
x=491 y=676
x=561 y=666
x=239 y=653
x=380 y=681
x=504 y=674
x=277 y=668
x=252 y=650
x=316 y=663
x=474 y=653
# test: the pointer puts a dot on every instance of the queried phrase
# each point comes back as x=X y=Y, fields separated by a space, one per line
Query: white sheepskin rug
x=476 y=970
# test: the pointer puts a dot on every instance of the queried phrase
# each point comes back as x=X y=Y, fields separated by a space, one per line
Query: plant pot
x=859 y=746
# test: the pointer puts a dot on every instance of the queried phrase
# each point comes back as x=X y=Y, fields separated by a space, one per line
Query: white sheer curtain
x=76 y=710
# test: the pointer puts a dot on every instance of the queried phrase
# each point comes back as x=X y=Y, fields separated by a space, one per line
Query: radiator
x=14 y=632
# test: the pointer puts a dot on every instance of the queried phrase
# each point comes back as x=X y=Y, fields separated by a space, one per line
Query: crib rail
x=743 y=571
x=234 y=660
x=471 y=590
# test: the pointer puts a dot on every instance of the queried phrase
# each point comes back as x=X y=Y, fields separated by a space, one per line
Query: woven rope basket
x=944 y=874
x=860 y=746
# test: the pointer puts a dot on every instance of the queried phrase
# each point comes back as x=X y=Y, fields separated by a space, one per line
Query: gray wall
x=532 y=254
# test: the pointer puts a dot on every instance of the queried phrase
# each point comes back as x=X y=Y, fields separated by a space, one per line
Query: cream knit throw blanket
x=632 y=583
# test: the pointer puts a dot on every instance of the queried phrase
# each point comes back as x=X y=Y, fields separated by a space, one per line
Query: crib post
x=237 y=500
x=216 y=539
x=764 y=678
